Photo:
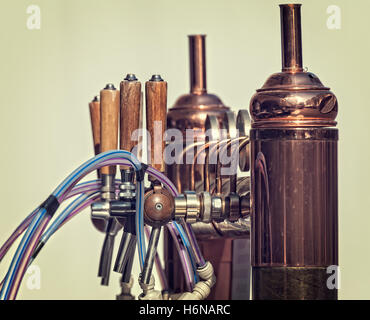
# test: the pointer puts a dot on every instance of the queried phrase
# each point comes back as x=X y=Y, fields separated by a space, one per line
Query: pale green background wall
x=49 y=75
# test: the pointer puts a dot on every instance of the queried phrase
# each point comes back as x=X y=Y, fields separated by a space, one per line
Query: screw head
x=110 y=86
x=130 y=77
x=159 y=206
x=156 y=78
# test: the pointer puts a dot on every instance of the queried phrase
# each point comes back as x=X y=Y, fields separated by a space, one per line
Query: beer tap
x=130 y=122
x=158 y=209
x=109 y=114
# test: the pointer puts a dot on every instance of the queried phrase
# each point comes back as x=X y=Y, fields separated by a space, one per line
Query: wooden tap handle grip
x=130 y=111
x=94 y=107
x=109 y=114
x=156 y=113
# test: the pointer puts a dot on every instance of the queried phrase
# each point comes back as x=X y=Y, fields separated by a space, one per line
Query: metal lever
x=126 y=249
x=106 y=253
x=150 y=255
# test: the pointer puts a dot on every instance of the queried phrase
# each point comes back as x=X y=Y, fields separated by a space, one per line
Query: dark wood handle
x=94 y=107
x=156 y=113
x=109 y=114
x=130 y=112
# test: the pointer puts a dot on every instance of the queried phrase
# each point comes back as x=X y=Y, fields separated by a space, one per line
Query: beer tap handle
x=94 y=107
x=156 y=113
x=109 y=114
x=130 y=112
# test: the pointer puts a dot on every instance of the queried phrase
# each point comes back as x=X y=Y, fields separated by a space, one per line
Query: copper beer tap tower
x=247 y=204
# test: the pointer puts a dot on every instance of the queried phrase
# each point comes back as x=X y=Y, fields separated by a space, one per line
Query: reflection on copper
x=192 y=169
x=293 y=98
x=211 y=169
x=294 y=186
x=190 y=112
x=222 y=150
x=294 y=197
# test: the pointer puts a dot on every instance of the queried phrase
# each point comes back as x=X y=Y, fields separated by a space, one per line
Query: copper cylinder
x=190 y=112
x=291 y=39
x=294 y=193
x=197 y=58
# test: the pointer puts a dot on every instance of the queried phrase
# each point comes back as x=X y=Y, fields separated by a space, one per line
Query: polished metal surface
x=128 y=242
x=291 y=37
x=294 y=197
x=243 y=124
x=294 y=178
x=159 y=206
x=130 y=77
x=149 y=258
x=197 y=54
x=190 y=112
x=192 y=207
x=293 y=100
x=108 y=188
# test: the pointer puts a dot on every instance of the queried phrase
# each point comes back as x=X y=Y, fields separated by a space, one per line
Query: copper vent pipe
x=291 y=37
x=197 y=54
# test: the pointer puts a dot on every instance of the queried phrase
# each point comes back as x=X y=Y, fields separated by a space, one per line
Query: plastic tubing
x=198 y=256
x=25 y=261
x=91 y=165
x=185 y=241
x=140 y=222
x=64 y=215
x=186 y=265
x=18 y=231
x=88 y=186
x=23 y=253
x=79 y=209
x=28 y=238
x=69 y=212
